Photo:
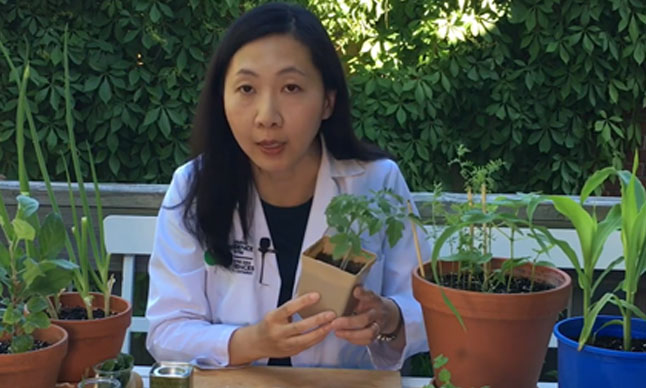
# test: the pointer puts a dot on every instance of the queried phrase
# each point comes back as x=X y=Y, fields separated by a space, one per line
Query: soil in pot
x=353 y=267
x=517 y=285
x=38 y=344
x=79 y=313
x=615 y=343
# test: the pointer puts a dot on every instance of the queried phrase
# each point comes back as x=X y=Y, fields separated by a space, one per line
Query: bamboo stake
x=416 y=239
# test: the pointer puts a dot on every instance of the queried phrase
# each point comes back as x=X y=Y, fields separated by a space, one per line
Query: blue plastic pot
x=597 y=367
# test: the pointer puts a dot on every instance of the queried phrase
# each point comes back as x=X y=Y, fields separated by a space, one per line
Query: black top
x=287 y=229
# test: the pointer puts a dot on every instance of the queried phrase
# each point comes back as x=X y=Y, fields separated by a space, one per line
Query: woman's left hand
x=372 y=315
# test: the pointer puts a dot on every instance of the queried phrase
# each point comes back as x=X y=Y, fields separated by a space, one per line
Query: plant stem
x=630 y=298
x=485 y=266
x=51 y=308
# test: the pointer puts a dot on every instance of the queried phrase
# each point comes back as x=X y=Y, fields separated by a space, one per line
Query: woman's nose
x=268 y=112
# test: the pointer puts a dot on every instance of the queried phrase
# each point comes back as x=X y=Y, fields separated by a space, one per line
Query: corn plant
x=633 y=238
x=83 y=229
x=630 y=217
x=592 y=235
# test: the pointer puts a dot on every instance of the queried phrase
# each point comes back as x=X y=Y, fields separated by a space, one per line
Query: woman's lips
x=271 y=147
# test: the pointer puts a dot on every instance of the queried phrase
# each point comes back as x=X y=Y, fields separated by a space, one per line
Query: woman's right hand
x=277 y=336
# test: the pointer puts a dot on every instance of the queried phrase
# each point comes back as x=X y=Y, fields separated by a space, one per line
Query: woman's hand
x=373 y=315
x=277 y=336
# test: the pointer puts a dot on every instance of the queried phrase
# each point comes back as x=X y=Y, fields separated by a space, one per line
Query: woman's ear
x=328 y=104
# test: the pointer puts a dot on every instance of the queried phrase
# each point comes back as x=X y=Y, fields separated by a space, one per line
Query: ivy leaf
x=639 y=53
x=181 y=60
x=154 y=13
x=91 y=83
x=587 y=44
x=565 y=57
x=104 y=91
x=164 y=124
x=114 y=164
x=545 y=145
x=151 y=116
x=633 y=29
x=401 y=116
x=612 y=91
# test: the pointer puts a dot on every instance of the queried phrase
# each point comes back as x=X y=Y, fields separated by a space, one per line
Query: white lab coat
x=194 y=308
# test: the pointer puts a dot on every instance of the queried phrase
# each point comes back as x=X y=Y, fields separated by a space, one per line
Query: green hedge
x=551 y=87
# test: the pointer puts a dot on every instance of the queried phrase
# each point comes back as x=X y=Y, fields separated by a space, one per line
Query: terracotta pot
x=38 y=368
x=92 y=341
x=506 y=335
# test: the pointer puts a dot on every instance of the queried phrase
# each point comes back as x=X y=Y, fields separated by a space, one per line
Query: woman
x=274 y=144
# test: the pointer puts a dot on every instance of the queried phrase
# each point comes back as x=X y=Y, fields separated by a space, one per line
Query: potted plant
x=118 y=368
x=336 y=263
x=31 y=349
x=491 y=317
x=96 y=322
x=600 y=350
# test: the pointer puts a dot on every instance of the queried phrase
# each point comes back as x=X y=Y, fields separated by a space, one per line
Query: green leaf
x=36 y=303
x=38 y=320
x=11 y=315
x=23 y=230
x=401 y=116
x=444 y=375
x=91 y=83
x=565 y=56
x=114 y=164
x=48 y=276
x=633 y=29
x=104 y=91
x=154 y=13
x=27 y=206
x=5 y=258
x=164 y=124
x=594 y=181
x=51 y=238
x=181 y=61
x=614 y=94
x=21 y=343
x=151 y=116
x=639 y=53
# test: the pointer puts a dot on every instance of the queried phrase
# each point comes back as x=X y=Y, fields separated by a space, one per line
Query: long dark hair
x=221 y=178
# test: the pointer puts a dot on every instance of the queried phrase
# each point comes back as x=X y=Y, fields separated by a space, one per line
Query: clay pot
x=92 y=341
x=506 y=336
x=37 y=368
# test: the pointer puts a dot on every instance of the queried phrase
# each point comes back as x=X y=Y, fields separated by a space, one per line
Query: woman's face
x=274 y=101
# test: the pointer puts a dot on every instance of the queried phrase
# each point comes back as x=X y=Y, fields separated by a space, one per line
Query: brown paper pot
x=506 y=335
x=38 y=368
x=334 y=284
x=92 y=341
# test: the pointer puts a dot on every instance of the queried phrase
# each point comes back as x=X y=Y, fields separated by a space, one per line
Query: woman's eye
x=245 y=89
x=292 y=88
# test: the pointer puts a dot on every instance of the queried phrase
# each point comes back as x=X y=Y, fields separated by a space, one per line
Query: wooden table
x=270 y=377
